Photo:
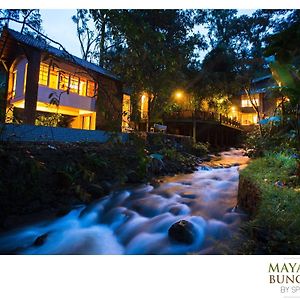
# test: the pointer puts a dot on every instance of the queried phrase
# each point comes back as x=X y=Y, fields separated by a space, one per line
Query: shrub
x=200 y=149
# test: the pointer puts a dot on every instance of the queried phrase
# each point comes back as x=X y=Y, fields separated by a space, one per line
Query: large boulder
x=182 y=232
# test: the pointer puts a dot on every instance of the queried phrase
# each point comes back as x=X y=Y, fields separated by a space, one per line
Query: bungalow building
x=36 y=74
x=261 y=95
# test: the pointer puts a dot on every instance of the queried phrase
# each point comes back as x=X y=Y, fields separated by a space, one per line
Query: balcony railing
x=202 y=116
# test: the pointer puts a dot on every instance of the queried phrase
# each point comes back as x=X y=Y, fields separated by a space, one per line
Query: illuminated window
x=43 y=78
x=90 y=89
x=249 y=119
x=25 y=78
x=63 y=81
x=144 y=107
x=53 y=78
x=82 y=87
x=74 y=83
x=14 y=83
x=247 y=102
x=86 y=122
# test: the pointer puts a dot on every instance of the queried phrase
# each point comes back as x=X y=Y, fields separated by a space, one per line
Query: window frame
x=47 y=80
x=87 y=88
x=70 y=83
x=248 y=102
x=59 y=80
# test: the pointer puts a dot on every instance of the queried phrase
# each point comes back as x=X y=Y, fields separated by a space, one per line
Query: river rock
x=183 y=232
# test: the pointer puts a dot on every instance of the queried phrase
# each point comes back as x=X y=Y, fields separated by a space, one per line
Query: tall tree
x=88 y=37
x=157 y=49
x=26 y=17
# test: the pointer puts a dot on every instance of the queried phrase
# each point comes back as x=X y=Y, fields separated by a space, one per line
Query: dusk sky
x=58 y=25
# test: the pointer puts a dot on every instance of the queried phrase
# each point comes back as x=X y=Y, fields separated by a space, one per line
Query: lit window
x=247 y=102
x=63 y=81
x=25 y=78
x=74 y=82
x=144 y=107
x=53 y=78
x=249 y=119
x=90 y=89
x=14 y=83
x=43 y=78
x=82 y=87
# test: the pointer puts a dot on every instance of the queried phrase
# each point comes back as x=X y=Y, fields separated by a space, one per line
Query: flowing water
x=136 y=220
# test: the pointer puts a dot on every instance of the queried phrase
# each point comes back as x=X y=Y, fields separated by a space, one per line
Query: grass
x=275 y=228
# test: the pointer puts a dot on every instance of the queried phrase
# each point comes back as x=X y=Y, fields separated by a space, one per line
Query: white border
x=139 y=277
x=57 y=4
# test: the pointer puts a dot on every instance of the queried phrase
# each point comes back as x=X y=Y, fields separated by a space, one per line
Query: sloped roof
x=43 y=46
x=261 y=78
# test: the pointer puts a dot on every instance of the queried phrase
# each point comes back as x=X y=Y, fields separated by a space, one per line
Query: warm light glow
x=43 y=76
x=144 y=106
x=233 y=108
x=178 y=94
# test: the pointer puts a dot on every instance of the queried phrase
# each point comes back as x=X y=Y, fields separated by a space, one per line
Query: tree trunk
x=102 y=42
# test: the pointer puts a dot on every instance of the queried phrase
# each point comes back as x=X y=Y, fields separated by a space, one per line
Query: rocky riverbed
x=47 y=179
x=187 y=213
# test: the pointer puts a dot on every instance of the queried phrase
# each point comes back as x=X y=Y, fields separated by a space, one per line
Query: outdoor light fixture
x=178 y=94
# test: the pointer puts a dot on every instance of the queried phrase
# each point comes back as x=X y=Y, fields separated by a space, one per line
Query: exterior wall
x=3 y=93
x=70 y=100
x=248 y=114
x=19 y=66
x=107 y=114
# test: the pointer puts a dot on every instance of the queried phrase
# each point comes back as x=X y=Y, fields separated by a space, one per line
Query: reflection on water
x=136 y=220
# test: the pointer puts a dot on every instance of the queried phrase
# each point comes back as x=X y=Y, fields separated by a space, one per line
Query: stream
x=136 y=220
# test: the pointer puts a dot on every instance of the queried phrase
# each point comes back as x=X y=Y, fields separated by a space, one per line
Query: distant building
x=242 y=109
x=89 y=96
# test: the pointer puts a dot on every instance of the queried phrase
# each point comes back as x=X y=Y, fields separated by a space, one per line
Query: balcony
x=201 y=116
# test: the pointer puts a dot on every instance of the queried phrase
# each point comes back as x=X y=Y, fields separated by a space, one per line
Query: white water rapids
x=136 y=220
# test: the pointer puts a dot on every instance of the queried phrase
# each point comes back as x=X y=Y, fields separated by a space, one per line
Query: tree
x=285 y=68
x=88 y=38
x=236 y=55
x=26 y=17
x=157 y=50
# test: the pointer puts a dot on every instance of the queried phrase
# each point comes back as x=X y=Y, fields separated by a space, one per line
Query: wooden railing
x=202 y=116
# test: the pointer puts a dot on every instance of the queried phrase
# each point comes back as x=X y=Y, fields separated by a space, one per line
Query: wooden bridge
x=217 y=129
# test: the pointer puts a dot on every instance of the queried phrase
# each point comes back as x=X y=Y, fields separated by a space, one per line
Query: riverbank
x=185 y=214
x=269 y=190
x=46 y=179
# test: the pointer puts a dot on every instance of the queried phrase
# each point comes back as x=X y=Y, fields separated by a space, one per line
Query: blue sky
x=58 y=25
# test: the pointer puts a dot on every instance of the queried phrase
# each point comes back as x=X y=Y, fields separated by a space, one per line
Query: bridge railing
x=202 y=116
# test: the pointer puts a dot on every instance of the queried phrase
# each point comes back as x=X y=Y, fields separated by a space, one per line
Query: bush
x=200 y=149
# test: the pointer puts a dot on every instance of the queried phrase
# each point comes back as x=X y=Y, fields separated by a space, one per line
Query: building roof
x=261 y=78
x=43 y=46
